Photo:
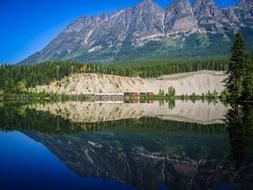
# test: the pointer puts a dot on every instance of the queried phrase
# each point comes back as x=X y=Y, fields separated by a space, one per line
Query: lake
x=156 y=145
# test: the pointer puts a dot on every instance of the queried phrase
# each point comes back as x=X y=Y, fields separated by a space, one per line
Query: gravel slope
x=184 y=83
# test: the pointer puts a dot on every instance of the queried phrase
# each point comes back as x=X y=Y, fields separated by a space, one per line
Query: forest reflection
x=239 y=121
x=147 y=139
x=71 y=117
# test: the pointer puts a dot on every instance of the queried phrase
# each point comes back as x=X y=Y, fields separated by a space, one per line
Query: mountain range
x=147 y=31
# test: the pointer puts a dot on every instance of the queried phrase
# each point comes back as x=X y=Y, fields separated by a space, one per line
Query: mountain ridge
x=148 y=30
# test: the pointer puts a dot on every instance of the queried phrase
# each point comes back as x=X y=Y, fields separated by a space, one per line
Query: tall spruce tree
x=236 y=69
x=248 y=79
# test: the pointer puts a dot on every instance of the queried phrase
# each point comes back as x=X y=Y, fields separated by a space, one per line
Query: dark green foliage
x=225 y=95
x=19 y=117
x=240 y=73
x=156 y=68
x=15 y=78
x=161 y=93
x=247 y=93
x=236 y=69
x=239 y=125
x=171 y=92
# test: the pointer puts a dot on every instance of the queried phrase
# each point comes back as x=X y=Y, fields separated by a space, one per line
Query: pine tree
x=236 y=69
x=248 y=79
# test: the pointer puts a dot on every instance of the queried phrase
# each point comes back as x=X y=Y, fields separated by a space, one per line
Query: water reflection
x=147 y=146
x=92 y=112
x=240 y=124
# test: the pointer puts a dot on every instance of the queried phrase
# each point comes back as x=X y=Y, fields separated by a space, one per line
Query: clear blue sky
x=28 y=25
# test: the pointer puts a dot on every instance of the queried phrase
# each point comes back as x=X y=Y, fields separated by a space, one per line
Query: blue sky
x=28 y=25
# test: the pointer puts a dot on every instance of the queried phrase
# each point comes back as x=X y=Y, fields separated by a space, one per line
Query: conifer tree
x=248 y=79
x=236 y=69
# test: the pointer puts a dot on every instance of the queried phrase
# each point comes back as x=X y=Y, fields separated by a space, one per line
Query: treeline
x=156 y=68
x=20 y=117
x=16 y=78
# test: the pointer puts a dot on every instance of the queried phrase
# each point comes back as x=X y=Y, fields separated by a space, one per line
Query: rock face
x=210 y=16
x=179 y=17
x=147 y=30
x=245 y=11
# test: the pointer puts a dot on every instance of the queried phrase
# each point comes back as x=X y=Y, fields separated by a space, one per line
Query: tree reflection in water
x=239 y=120
x=148 y=151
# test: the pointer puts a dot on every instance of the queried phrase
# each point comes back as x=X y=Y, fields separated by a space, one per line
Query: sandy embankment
x=184 y=83
x=91 y=112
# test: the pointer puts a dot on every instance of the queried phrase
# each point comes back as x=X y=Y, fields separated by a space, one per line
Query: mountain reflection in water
x=147 y=146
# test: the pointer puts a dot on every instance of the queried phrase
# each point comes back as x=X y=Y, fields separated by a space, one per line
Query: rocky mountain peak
x=148 y=4
x=210 y=16
x=244 y=11
x=181 y=5
x=179 y=17
x=148 y=7
x=146 y=25
x=201 y=6
x=246 y=5
x=203 y=1
x=185 y=3
x=145 y=19
x=104 y=16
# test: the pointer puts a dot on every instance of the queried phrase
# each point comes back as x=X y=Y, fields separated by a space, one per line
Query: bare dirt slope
x=184 y=83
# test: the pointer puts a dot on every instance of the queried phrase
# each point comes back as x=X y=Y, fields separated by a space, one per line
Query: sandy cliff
x=184 y=83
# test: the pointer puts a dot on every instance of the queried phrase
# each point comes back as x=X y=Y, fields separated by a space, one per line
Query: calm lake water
x=115 y=145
